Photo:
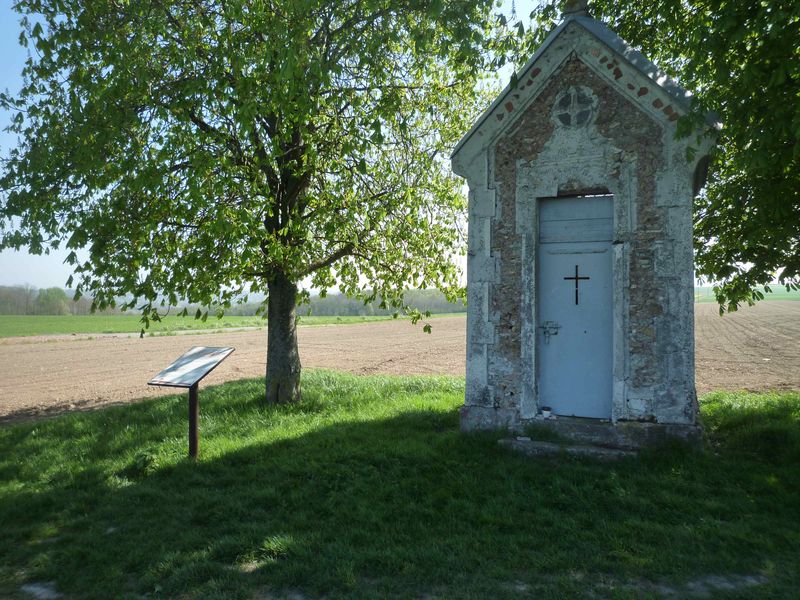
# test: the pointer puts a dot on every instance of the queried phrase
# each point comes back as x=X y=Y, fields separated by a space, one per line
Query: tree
x=743 y=61
x=198 y=148
x=17 y=300
x=52 y=301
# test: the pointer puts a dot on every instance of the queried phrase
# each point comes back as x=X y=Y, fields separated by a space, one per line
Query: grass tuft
x=367 y=488
x=542 y=433
x=765 y=426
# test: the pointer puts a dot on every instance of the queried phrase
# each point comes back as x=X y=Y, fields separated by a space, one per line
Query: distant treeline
x=339 y=305
x=28 y=300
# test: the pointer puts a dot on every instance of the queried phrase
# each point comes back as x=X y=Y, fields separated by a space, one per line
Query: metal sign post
x=186 y=372
x=194 y=418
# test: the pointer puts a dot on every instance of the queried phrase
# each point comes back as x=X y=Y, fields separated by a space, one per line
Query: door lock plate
x=549 y=328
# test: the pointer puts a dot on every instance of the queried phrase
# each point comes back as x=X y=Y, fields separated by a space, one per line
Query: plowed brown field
x=757 y=348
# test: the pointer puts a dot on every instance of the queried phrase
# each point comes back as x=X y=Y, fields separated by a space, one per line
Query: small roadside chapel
x=579 y=274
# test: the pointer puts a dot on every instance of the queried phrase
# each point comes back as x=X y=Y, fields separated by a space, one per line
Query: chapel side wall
x=657 y=324
x=673 y=264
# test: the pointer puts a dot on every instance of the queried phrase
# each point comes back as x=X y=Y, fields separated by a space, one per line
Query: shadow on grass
x=398 y=506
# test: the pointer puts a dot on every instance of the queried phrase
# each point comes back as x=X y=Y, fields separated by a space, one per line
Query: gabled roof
x=636 y=59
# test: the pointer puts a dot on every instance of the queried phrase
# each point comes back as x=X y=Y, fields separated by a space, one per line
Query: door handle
x=549 y=328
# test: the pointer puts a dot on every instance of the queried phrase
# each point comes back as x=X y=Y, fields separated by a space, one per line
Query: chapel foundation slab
x=624 y=435
x=537 y=448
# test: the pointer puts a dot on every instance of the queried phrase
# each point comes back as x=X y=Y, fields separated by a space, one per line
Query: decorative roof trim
x=600 y=31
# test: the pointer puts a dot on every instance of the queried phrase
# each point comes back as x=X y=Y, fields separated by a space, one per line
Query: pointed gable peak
x=578 y=8
x=603 y=51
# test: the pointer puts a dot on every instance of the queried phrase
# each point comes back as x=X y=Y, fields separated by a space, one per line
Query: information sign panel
x=190 y=368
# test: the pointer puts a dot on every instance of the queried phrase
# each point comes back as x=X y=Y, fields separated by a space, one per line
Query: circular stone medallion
x=575 y=107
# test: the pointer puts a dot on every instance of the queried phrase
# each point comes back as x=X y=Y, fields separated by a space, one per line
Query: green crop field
x=14 y=325
x=706 y=294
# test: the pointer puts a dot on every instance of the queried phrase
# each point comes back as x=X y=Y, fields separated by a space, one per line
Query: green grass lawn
x=15 y=325
x=368 y=489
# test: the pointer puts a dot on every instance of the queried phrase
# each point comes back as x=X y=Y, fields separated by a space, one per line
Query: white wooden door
x=574 y=297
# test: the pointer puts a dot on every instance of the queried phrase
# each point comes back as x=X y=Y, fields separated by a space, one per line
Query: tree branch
x=328 y=261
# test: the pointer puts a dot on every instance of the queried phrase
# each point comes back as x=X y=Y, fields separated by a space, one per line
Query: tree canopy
x=198 y=148
x=742 y=59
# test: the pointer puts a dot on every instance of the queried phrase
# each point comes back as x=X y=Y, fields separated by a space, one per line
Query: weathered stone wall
x=626 y=127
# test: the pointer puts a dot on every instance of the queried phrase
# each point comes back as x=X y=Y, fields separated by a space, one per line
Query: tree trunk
x=283 y=360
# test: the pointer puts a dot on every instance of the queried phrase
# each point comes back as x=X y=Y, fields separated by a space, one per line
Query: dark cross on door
x=576 y=279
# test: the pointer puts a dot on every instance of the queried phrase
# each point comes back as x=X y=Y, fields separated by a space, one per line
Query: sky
x=20 y=268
